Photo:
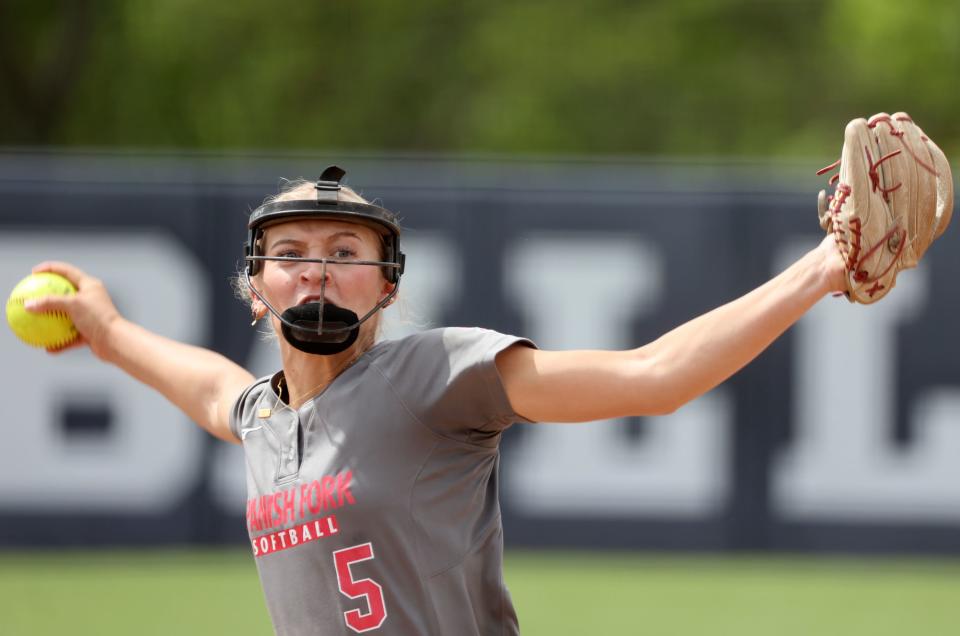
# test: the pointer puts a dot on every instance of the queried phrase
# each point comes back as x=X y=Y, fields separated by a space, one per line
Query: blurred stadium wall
x=844 y=436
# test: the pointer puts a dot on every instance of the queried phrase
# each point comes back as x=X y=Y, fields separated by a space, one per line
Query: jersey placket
x=284 y=426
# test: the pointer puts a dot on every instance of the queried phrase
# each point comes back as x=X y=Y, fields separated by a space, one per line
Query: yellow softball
x=49 y=329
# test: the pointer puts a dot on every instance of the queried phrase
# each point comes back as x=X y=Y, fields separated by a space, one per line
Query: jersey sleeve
x=448 y=379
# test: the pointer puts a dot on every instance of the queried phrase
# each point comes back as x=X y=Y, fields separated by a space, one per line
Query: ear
x=387 y=289
x=257 y=307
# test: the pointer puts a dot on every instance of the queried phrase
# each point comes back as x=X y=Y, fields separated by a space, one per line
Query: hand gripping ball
x=50 y=330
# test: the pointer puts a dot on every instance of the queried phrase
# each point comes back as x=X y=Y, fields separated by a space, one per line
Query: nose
x=315 y=272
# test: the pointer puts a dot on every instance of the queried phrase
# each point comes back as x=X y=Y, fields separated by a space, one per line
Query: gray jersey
x=373 y=507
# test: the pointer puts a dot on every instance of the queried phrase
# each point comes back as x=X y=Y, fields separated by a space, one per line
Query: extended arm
x=658 y=378
x=203 y=384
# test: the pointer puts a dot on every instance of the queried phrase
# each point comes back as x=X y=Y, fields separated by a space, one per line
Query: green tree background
x=687 y=78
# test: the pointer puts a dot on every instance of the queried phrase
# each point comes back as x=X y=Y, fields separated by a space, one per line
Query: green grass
x=556 y=593
x=719 y=596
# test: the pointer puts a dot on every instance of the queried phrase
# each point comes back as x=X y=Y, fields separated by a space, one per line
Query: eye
x=344 y=252
x=285 y=252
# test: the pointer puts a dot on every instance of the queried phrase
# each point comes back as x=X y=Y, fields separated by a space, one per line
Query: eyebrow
x=332 y=237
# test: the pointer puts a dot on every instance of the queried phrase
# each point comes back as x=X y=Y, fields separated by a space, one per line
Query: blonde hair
x=293 y=189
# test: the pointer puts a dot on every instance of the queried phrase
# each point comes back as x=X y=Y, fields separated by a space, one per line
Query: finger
x=44 y=304
x=76 y=343
x=72 y=273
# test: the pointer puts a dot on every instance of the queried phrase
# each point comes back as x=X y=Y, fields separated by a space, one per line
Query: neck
x=307 y=374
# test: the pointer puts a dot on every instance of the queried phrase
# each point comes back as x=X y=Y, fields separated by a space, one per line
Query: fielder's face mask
x=320 y=327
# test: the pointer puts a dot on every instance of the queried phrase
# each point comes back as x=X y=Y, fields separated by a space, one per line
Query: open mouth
x=314 y=299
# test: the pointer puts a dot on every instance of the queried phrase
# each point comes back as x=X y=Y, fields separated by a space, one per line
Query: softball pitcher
x=372 y=466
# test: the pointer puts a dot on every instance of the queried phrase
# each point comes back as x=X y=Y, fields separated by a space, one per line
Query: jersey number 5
x=369 y=589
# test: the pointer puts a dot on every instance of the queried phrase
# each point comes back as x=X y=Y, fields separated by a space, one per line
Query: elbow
x=659 y=390
x=663 y=405
x=665 y=409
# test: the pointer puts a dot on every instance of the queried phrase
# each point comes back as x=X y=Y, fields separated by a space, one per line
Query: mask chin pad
x=340 y=328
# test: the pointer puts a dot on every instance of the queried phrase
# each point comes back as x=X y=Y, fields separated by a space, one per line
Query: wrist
x=832 y=271
x=104 y=344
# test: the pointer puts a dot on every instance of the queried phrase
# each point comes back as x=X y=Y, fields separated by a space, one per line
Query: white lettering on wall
x=148 y=458
x=842 y=464
x=583 y=292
